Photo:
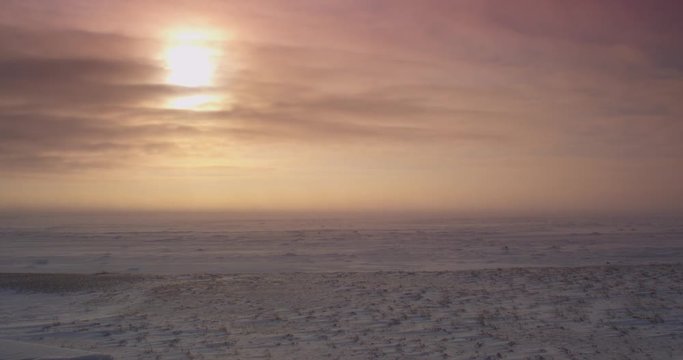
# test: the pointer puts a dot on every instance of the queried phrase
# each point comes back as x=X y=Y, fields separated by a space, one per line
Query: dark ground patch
x=57 y=283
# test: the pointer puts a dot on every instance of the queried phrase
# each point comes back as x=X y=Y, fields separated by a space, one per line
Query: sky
x=434 y=105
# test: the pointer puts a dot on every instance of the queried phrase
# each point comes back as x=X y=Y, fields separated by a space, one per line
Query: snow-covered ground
x=219 y=244
x=211 y=288
x=606 y=312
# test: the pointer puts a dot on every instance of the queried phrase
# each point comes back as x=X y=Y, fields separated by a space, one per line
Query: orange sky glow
x=436 y=105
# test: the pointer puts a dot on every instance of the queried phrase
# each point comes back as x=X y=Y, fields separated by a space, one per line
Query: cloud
x=95 y=112
x=15 y=72
x=22 y=41
x=434 y=87
x=68 y=82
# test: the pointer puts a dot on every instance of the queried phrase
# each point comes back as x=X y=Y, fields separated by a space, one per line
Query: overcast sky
x=468 y=106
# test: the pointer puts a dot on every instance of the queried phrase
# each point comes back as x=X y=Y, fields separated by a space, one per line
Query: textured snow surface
x=602 y=312
x=215 y=287
x=17 y=350
x=220 y=244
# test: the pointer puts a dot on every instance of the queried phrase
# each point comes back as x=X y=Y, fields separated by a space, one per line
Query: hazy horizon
x=471 y=108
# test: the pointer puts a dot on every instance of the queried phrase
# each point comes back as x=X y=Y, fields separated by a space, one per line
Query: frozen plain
x=346 y=288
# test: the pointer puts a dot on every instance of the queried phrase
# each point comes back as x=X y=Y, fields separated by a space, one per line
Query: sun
x=190 y=66
x=198 y=102
x=190 y=59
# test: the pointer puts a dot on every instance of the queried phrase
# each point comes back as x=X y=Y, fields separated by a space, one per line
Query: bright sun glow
x=190 y=66
x=190 y=59
x=194 y=102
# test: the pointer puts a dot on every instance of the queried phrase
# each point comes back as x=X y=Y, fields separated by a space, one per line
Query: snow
x=589 y=312
x=166 y=245
x=305 y=289
x=17 y=350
